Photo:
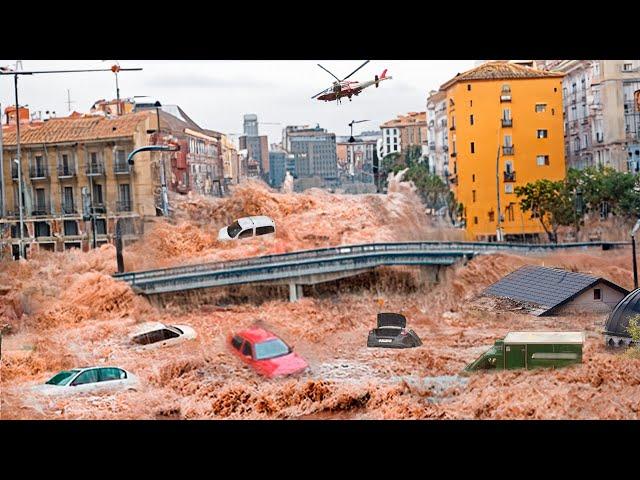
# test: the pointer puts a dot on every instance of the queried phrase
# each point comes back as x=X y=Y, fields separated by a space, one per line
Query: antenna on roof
x=69 y=101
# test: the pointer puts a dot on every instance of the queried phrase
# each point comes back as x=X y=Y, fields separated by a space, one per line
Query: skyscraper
x=251 y=125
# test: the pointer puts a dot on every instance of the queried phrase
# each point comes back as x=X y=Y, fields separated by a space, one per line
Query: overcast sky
x=216 y=93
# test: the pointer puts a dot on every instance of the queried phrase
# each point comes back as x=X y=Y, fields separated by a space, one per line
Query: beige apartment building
x=62 y=157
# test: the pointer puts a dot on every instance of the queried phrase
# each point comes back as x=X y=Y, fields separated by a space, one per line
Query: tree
x=634 y=331
x=550 y=202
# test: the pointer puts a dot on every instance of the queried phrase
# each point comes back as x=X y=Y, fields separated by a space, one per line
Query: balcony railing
x=41 y=208
x=510 y=176
x=507 y=122
x=68 y=208
x=505 y=97
x=507 y=150
x=68 y=170
x=452 y=127
x=123 y=205
x=121 y=167
x=38 y=171
x=94 y=168
x=454 y=154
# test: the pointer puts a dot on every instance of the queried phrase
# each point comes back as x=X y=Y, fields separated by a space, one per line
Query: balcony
x=94 y=169
x=38 y=171
x=123 y=205
x=41 y=208
x=454 y=179
x=121 y=167
x=432 y=146
x=508 y=150
x=68 y=208
x=454 y=154
x=452 y=127
x=66 y=171
x=510 y=176
x=445 y=148
x=505 y=97
x=507 y=122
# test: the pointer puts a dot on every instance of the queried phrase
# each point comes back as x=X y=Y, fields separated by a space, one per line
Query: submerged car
x=156 y=334
x=89 y=379
x=392 y=333
x=268 y=354
x=247 y=227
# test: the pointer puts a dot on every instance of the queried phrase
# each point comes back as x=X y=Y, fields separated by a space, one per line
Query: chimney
x=23 y=115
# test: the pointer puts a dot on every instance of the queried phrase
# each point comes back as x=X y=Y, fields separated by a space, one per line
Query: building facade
x=70 y=166
x=316 y=156
x=357 y=161
x=257 y=148
x=601 y=118
x=510 y=115
x=277 y=167
x=438 y=134
x=404 y=131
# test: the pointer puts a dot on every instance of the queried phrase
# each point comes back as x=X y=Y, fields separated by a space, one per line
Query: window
x=246 y=233
x=510 y=212
x=506 y=114
x=473 y=177
x=473 y=195
x=101 y=226
x=508 y=188
x=553 y=111
x=541 y=107
x=492 y=215
x=236 y=342
x=507 y=140
x=265 y=230
x=475 y=220
x=90 y=376
x=468 y=86
x=70 y=227
x=542 y=160
x=542 y=134
x=473 y=147
x=597 y=294
x=471 y=119
x=97 y=194
x=246 y=349
x=271 y=349
x=471 y=103
x=107 y=374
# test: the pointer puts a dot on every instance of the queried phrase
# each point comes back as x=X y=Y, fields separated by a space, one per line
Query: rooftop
x=74 y=128
x=500 y=70
x=412 y=118
x=545 y=288
x=544 y=337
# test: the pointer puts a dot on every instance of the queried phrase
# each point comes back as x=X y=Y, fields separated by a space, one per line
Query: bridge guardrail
x=132 y=277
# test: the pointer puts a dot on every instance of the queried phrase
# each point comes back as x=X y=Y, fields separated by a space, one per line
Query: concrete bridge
x=310 y=267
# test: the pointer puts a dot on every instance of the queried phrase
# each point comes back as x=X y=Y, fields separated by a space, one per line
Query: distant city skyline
x=217 y=94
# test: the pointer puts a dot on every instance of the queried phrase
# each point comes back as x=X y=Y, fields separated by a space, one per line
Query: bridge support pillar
x=295 y=292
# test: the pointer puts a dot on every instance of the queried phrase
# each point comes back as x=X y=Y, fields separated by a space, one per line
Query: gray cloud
x=206 y=81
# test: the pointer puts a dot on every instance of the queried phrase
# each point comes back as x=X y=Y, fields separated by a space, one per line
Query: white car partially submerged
x=89 y=379
x=156 y=334
x=247 y=227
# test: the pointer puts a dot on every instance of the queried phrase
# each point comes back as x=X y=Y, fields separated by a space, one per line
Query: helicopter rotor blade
x=329 y=72
x=320 y=93
x=355 y=70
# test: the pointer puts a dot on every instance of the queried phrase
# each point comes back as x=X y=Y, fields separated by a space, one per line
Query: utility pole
x=20 y=192
x=499 y=228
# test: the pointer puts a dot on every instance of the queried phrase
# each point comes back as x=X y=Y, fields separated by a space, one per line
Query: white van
x=247 y=227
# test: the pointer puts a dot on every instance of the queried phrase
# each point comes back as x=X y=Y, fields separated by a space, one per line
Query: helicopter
x=343 y=88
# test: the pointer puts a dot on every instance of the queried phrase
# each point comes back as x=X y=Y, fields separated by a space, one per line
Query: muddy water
x=65 y=310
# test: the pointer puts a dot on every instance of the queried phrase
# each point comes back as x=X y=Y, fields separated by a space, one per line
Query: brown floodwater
x=65 y=310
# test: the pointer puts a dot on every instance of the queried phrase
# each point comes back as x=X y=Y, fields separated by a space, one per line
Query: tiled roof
x=545 y=287
x=73 y=129
x=405 y=120
x=500 y=70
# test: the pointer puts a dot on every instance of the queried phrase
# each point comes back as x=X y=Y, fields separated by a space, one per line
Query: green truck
x=531 y=350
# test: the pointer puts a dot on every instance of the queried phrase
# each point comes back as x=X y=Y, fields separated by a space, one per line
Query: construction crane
x=351 y=139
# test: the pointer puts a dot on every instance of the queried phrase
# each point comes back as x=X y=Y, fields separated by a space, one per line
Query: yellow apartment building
x=505 y=130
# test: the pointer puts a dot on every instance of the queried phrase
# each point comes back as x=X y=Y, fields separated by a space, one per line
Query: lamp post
x=633 y=252
x=163 y=175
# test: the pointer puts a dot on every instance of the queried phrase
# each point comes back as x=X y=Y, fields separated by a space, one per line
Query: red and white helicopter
x=343 y=88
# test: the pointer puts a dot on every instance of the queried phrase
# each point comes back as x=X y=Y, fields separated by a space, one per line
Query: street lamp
x=156 y=148
x=633 y=252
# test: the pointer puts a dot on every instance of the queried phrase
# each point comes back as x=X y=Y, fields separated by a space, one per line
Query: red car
x=266 y=353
